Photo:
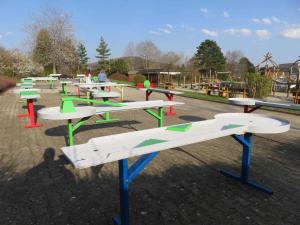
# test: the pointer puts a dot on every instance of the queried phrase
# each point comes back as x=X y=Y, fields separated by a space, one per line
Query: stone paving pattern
x=181 y=186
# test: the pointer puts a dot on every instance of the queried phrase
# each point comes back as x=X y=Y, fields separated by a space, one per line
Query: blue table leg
x=126 y=176
x=124 y=195
x=246 y=141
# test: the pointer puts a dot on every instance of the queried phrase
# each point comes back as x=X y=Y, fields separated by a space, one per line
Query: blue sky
x=252 y=27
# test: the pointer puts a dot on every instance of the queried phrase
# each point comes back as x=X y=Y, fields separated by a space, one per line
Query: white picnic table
x=256 y=103
x=168 y=93
x=148 y=143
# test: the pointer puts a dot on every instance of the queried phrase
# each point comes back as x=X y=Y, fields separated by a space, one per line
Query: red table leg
x=78 y=91
x=171 y=111
x=246 y=109
x=32 y=115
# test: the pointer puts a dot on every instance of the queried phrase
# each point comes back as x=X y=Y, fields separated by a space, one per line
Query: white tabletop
x=105 y=94
x=136 y=105
x=257 y=102
x=53 y=113
x=65 y=82
x=121 y=146
x=17 y=91
x=43 y=78
x=30 y=96
x=165 y=91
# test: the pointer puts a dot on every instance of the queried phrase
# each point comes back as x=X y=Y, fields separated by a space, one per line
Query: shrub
x=139 y=78
x=259 y=85
x=6 y=83
x=119 y=66
x=118 y=76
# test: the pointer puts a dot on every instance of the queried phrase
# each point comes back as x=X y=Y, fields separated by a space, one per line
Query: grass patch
x=123 y=82
x=214 y=98
x=201 y=96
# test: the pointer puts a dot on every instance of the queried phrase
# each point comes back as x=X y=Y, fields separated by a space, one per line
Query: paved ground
x=181 y=186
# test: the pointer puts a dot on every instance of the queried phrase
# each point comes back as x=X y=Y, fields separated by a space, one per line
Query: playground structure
x=271 y=69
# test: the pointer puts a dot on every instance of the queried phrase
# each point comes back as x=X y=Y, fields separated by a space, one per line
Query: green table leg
x=106 y=117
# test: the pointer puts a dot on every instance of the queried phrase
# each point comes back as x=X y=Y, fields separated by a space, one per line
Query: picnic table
x=148 y=143
x=67 y=111
x=50 y=80
x=30 y=96
x=256 y=104
x=81 y=86
x=168 y=93
x=63 y=86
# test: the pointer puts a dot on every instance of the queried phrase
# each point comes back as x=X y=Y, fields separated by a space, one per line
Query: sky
x=252 y=27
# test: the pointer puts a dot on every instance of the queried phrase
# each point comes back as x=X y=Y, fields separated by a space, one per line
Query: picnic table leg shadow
x=25 y=114
x=246 y=141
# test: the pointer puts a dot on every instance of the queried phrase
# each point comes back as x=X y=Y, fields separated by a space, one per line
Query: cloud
x=154 y=32
x=275 y=19
x=209 y=32
x=263 y=34
x=293 y=33
x=242 y=31
x=266 y=21
x=169 y=26
x=0 y=36
x=299 y=9
x=187 y=27
x=164 y=30
x=225 y=14
x=204 y=10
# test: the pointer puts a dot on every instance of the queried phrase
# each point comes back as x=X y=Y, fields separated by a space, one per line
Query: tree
x=149 y=52
x=14 y=63
x=170 y=59
x=209 y=56
x=42 y=49
x=130 y=54
x=69 y=65
x=82 y=56
x=259 y=86
x=232 y=62
x=60 y=29
x=245 y=67
x=119 y=66
x=103 y=54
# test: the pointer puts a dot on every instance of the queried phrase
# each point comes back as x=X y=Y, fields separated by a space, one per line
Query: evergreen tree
x=209 y=56
x=103 y=54
x=82 y=56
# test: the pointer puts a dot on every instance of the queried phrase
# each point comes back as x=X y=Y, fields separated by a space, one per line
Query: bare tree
x=170 y=59
x=232 y=62
x=149 y=52
x=130 y=50
x=59 y=26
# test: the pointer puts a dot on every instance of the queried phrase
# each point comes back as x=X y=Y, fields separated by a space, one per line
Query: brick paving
x=181 y=186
